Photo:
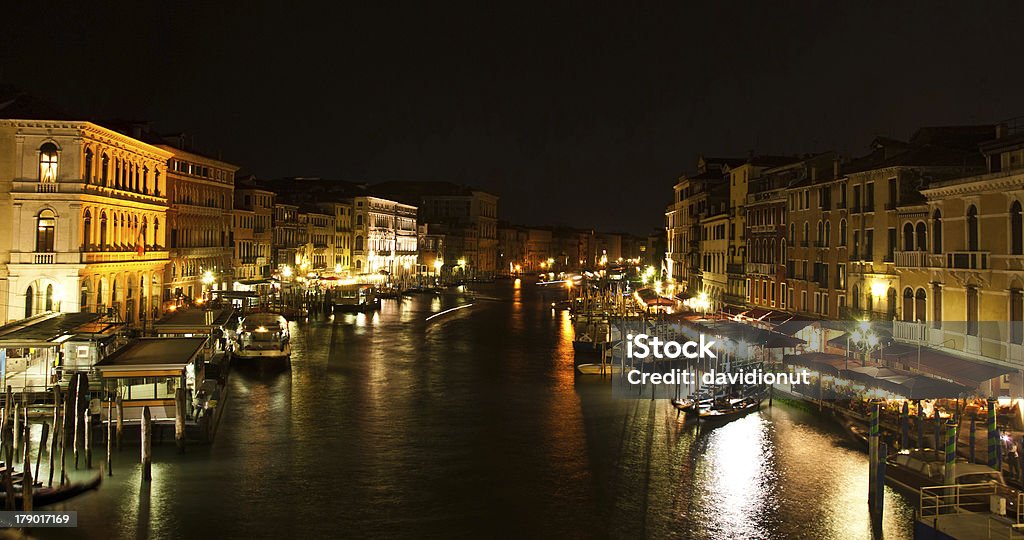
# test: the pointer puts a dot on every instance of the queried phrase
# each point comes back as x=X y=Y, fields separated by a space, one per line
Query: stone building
x=385 y=236
x=200 y=195
x=82 y=218
x=252 y=234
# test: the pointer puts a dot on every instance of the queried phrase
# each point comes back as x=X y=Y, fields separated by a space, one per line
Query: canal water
x=473 y=424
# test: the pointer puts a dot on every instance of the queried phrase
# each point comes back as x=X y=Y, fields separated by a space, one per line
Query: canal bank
x=473 y=423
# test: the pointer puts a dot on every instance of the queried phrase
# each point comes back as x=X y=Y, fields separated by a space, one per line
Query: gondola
x=723 y=413
x=44 y=496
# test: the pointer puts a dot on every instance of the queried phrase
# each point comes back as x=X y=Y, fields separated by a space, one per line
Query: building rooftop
x=45 y=328
x=192 y=318
x=150 y=352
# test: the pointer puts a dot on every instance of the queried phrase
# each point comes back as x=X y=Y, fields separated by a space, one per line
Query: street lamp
x=865 y=340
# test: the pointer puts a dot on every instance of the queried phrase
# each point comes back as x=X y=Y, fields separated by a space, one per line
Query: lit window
x=48 y=163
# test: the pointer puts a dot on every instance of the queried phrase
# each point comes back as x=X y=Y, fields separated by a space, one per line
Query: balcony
x=967 y=260
x=867 y=208
x=910 y=331
x=732 y=268
x=79 y=257
x=805 y=243
x=122 y=256
x=764 y=269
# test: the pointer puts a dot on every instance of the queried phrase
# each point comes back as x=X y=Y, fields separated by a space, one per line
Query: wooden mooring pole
x=179 y=419
x=87 y=420
x=110 y=436
x=26 y=479
x=147 y=440
x=120 y=420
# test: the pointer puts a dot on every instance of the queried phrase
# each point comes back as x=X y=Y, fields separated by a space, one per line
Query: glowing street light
x=208 y=278
x=286 y=271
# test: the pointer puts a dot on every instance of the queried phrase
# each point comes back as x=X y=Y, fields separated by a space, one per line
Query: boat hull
x=263 y=353
x=598 y=369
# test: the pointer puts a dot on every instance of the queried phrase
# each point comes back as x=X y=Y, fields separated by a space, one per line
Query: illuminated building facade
x=342 y=214
x=252 y=234
x=83 y=221
x=200 y=194
x=384 y=236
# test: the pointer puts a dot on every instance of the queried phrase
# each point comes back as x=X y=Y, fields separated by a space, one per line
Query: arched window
x=87 y=229
x=104 y=169
x=1016 y=229
x=359 y=264
x=890 y=300
x=856 y=297
x=920 y=305
x=145 y=179
x=922 y=236
x=48 y=162
x=908 y=304
x=143 y=238
x=99 y=295
x=842 y=232
x=156 y=232
x=972 y=311
x=792 y=232
x=807 y=232
x=49 y=297
x=45 y=231
x=88 y=166
x=29 y=300
x=828 y=233
x=972 y=228
x=1016 y=314
x=103 y=230
x=782 y=251
x=937 y=232
x=908 y=237
x=821 y=234
x=359 y=243
x=83 y=299
x=772 y=252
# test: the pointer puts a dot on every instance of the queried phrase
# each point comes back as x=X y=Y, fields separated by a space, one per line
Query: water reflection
x=475 y=424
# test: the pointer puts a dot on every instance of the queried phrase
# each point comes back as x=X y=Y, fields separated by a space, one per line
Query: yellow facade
x=84 y=220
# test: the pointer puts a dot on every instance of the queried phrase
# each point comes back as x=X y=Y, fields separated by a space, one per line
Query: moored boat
x=912 y=470
x=358 y=297
x=262 y=335
x=725 y=411
x=599 y=369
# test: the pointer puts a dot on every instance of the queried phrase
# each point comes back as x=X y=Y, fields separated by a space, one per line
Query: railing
x=912 y=331
x=765 y=269
x=912 y=259
x=120 y=256
x=968 y=260
x=955 y=499
x=805 y=243
x=47 y=187
x=43 y=258
x=734 y=268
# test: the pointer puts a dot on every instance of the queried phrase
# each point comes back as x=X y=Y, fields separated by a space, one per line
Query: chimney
x=835 y=167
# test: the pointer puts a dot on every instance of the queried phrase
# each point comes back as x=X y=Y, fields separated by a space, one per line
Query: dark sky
x=573 y=113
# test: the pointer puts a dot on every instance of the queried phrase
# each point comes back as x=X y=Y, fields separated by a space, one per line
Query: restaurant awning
x=792 y=326
x=829 y=364
x=757 y=313
x=970 y=372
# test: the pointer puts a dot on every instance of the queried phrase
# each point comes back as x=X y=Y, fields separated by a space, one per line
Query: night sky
x=572 y=114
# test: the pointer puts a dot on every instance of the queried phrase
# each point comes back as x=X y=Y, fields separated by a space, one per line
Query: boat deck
x=967 y=526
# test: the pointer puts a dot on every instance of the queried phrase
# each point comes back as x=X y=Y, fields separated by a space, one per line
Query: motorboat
x=262 y=335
